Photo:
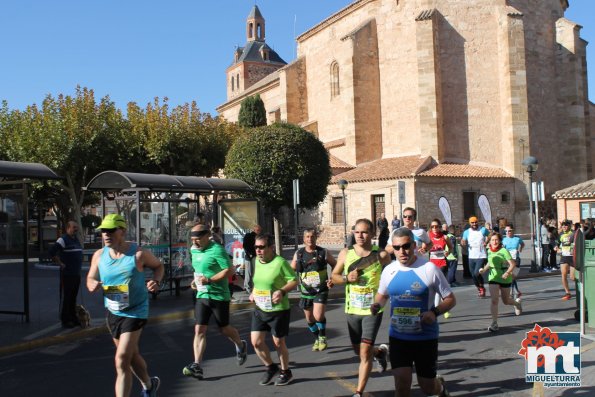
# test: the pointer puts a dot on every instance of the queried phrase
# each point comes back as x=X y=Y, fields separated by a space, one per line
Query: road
x=473 y=361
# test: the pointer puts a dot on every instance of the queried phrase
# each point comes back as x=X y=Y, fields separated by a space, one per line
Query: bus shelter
x=161 y=209
x=15 y=179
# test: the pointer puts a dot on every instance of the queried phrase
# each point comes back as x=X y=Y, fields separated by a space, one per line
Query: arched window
x=232 y=83
x=250 y=29
x=335 y=88
x=238 y=81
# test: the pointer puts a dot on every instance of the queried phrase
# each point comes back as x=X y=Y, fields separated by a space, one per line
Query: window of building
x=587 y=210
x=335 y=88
x=232 y=83
x=505 y=197
x=250 y=28
x=238 y=81
x=337 y=210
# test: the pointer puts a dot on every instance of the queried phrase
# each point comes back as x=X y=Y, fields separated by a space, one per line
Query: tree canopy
x=271 y=157
x=252 y=112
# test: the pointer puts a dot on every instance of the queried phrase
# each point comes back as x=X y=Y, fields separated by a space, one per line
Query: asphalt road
x=473 y=361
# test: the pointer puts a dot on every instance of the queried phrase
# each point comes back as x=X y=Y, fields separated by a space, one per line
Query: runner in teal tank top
x=118 y=270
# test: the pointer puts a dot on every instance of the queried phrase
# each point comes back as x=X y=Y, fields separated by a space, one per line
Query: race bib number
x=199 y=287
x=406 y=320
x=361 y=297
x=263 y=299
x=116 y=296
x=312 y=279
x=438 y=254
x=566 y=250
x=514 y=254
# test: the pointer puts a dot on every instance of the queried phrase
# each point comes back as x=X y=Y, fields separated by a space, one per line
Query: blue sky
x=135 y=50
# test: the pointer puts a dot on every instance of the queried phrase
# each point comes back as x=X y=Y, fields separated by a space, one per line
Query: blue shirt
x=70 y=252
x=512 y=244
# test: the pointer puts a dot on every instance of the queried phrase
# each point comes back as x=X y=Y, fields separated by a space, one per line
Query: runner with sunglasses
x=410 y=282
x=359 y=267
x=422 y=240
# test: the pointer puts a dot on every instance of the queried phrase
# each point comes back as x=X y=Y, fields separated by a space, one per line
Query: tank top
x=312 y=271
x=124 y=289
x=360 y=296
x=438 y=250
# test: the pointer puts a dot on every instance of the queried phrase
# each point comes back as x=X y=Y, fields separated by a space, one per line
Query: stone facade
x=473 y=82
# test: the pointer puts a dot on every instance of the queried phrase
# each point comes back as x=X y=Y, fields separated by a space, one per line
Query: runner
x=411 y=283
x=359 y=267
x=211 y=271
x=514 y=245
x=439 y=248
x=118 y=269
x=565 y=245
x=310 y=263
x=501 y=266
x=475 y=239
x=452 y=259
x=422 y=240
x=273 y=279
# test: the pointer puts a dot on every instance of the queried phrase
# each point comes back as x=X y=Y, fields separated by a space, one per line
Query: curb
x=177 y=315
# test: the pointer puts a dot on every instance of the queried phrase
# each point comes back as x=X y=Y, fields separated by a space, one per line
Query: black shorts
x=308 y=303
x=119 y=325
x=567 y=260
x=203 y=308
x=276 y=323
x=363 y=329
x=502 y=285
x=424 y=353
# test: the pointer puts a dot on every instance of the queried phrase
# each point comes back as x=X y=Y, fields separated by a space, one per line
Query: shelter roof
x=16 y=170
x=582 y=190
x=116 y=181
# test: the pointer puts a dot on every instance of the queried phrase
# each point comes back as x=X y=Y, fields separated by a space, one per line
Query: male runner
x=211 y=271
x=118 y=269
x=476 y=239
x=310 y=264
x=411 y=283
x=359 y=268
x=565 y=245
x=423 y=241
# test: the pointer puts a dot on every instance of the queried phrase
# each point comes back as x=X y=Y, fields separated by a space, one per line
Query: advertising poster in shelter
x=237 y=218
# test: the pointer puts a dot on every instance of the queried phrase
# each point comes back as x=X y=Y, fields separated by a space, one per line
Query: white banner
x=484 y=207
x=445 y=209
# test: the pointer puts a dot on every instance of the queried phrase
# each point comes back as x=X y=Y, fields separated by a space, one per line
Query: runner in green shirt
x=273 y=279
x=211 y=269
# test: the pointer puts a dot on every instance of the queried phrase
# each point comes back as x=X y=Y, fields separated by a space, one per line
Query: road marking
x=47 y=330
x=349 y=386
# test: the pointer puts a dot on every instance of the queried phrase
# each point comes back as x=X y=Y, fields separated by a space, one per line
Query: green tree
x=271 y=157
x=252 y=112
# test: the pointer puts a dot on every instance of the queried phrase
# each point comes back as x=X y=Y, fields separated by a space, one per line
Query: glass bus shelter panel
x=11 y=224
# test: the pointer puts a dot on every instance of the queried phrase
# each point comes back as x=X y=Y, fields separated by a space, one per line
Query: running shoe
x=482 y=292
x=193 y=370
x=155 y=383
x=547 y=270
x=316 y=345
x=382 y=357
x=357 y=394
x=268 y=376
x=519 y=294
x=241 y=356
x=322 y=344
x=566 y=297
x=284 y=378
x=518 y=307
x=493 y=327
x=444 y=392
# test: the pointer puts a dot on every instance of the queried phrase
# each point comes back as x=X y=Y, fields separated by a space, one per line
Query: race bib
x=566 y=250
x=199 y=287
x=361 y=297
x=437 y=254
x=263 y=299
x=116 y=296
x=514 y=254
x=406 y=320
x=312 y=279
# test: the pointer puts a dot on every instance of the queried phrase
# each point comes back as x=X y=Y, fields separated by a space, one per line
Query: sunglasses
x=405 y=246
x=259 y=247
x=408 y=216
x=107 y=231
x=435 y=226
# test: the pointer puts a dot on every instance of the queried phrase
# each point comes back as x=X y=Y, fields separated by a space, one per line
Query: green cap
x=113 y=221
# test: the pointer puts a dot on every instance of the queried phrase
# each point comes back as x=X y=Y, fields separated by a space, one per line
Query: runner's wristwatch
x=436 y=311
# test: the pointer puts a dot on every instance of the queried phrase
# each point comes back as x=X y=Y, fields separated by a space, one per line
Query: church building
x=447 y=97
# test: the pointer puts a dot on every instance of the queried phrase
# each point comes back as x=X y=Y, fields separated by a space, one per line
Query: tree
x=252 y=112
x=271 y=157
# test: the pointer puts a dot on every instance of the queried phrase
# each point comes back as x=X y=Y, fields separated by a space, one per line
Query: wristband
x=436 y=311
x=345 y=279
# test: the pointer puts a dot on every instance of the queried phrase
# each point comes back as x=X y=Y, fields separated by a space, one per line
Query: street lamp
x=530 y=163
x=343 y=184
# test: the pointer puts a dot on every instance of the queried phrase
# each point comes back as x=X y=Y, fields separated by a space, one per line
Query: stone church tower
x=254 y=61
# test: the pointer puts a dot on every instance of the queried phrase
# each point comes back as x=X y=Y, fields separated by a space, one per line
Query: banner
x=237 y=216
x=445 y=209
x=484 y=207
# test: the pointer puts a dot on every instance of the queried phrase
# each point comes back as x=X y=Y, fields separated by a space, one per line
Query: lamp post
x=343 y=184
x=530 y=163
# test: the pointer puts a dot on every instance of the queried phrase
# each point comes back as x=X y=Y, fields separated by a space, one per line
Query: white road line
x=42 y=332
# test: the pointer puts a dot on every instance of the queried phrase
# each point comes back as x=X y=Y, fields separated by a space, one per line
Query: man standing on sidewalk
x=476 y=239
x=119 y=270
x=211 y=267
x=411 y=282
x=68 y=253
x=359 y=268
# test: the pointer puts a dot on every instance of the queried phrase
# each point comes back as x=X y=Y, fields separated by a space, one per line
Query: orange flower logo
x=539 y=337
